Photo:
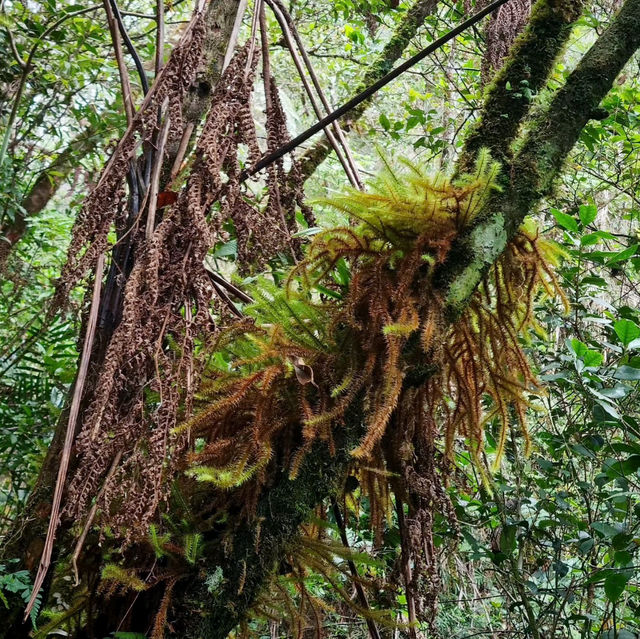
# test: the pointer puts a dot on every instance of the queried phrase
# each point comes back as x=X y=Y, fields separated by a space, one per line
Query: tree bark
x=523 y=75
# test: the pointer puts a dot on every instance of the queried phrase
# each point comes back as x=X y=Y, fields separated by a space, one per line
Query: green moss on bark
x=524 y=74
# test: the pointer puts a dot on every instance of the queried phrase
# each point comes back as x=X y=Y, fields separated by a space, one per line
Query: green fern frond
x=192 y=547
x=123 y=577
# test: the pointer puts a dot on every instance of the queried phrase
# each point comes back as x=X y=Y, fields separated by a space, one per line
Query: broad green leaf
x=623 y=255
x=565 y=221
x=627 y=372
x=626 y=330
x=606 y=530
x=588 y=213
x=614 y=585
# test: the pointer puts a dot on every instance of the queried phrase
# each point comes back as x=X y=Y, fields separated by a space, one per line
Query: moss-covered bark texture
x=524 y=74
x=258 y=546
x=529 y=177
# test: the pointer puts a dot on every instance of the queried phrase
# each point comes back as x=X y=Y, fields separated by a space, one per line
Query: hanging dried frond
x=504 y=26
x=149 y=367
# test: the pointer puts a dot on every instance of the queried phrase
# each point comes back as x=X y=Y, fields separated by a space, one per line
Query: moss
x=524 y=74
x=485 y=243
x=260 y=544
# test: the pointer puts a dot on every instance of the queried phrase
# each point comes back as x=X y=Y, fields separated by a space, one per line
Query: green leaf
x=592 y=358
x=605 y=530
x=565 y=221
x=384 y=122
x=614 y=585
x=588 y=213
x=627 y=373
x=623 y=255
x=508 y=539
x=626 y=330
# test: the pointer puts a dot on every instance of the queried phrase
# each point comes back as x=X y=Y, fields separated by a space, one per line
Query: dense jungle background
x=304 y=409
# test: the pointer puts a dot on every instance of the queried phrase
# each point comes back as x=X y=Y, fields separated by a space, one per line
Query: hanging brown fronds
x=504 y=26
x=387 y=325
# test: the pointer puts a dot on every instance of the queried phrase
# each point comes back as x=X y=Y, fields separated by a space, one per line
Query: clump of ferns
x=297 y=597
x=320 y=342
x=172 y=562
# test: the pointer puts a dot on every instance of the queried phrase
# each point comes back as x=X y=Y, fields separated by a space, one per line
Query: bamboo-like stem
x=159 y=36
x=268 y=98
x=348 y=169
x=122 y=69
x=154 y=187
x=45 y=560
x=316 y=83
x=235 y=31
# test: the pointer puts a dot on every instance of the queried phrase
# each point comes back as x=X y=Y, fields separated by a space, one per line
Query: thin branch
x=14 y=50
x=130 y=48
x=159 y=36
x=233 y=39
x=122 y=69
x=362 y=597
x=318 y=87
x=348 y=168
x=157 y=167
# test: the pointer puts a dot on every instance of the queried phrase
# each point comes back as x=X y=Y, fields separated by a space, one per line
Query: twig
x=225 y=298
x=369 y=91
x=159 y=36
x=182 y=150
x=130 y=48
x=154 y=188
x=254 y=29
x=22 y=64
x=316 y=83
x=362 y=597
x=268 y=98
x=241 y=295
x=348 y=169
x=45 y=560
x=406 y=567
x=87 y=525
x=233 y=38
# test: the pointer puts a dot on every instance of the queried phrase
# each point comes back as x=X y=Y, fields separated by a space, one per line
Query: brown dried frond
x=136 y=401
x=504 y=26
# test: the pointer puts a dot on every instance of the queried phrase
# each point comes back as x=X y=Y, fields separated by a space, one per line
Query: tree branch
x=523 y=75
x=404 y=33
